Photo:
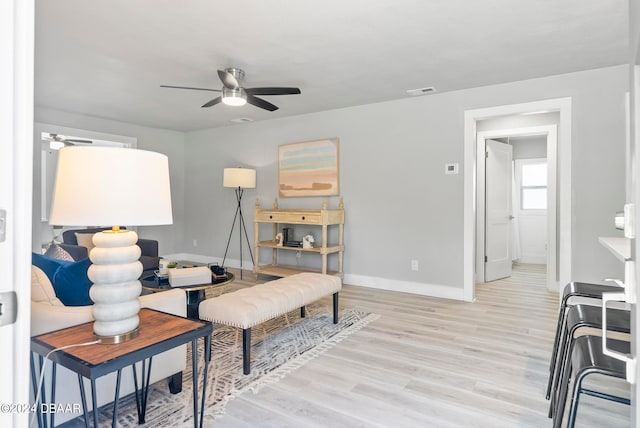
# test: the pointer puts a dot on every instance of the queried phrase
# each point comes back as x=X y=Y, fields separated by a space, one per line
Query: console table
x=159 y=332
x=323 y=218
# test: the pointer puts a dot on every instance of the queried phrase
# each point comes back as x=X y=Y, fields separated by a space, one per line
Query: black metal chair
x=571 y=292
x=577 y=317
x=587 y=358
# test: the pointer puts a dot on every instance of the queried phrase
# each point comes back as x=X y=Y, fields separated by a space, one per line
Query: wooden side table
x=159 y=332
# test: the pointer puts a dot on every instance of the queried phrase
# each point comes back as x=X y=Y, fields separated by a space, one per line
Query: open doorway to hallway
x=559 y=246
x=523 y=185
x=516 y=194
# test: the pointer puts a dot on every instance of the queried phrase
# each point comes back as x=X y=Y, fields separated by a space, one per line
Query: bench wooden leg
x=303 y=312
x=335 y=308
x=246 y=350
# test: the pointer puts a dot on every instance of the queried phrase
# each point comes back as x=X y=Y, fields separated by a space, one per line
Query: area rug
x=278 y=347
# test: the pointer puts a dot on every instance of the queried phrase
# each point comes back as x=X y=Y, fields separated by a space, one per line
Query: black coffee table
x=195 y=293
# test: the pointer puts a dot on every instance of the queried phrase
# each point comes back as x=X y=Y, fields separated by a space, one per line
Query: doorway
x=559 y=258
x=516 y=195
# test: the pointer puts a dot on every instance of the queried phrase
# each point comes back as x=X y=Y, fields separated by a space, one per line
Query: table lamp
x=108 y=186
x=240 y=179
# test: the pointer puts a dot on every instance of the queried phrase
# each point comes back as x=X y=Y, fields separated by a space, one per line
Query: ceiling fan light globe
x=234 y=97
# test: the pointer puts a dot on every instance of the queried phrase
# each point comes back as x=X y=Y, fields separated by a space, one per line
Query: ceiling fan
x=57 y=141
x=234 y=94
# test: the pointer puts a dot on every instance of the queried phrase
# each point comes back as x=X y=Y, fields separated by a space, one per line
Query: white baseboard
x=533 y=259
x=431 y=290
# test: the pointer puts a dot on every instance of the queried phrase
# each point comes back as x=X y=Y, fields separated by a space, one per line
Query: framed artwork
x=309 y=168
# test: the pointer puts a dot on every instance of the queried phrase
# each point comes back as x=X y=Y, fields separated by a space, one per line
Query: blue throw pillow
x=48 y=265
x=72 y=284
x=69 y=279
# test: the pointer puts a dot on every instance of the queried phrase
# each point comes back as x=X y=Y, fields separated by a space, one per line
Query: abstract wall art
x=309 y=168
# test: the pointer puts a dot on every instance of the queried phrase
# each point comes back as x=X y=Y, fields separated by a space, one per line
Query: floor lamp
x=239 y=179
x=109 y=186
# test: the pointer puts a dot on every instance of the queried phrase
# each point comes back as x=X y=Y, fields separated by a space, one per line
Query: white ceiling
x=108 y=58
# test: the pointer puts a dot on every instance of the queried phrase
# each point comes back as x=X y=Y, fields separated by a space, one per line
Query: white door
x=16 y=160
x=498 y=210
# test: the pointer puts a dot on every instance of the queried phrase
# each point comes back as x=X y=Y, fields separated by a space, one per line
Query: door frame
x=563 y=220
x=16 y=165
x=550 y=131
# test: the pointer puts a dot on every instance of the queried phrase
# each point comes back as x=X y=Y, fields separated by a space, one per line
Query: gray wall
x=164 y=141
x=529 y=147
x=399 y=203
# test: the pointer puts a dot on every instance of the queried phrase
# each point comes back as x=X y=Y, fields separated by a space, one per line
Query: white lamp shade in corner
x=111 y=186
x=244 y=178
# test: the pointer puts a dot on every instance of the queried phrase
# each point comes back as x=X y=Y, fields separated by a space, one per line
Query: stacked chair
x=580 y=309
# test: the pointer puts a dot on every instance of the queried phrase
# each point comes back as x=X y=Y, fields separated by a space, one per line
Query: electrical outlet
x=415 y=265
x=195 y=242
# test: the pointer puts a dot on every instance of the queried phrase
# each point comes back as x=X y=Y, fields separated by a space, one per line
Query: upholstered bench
x=254 y=305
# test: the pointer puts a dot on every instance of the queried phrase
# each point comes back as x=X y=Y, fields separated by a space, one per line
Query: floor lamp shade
x=108 y=186
x=244 y=178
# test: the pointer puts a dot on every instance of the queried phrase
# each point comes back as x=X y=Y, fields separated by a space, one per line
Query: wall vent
x=421 y=91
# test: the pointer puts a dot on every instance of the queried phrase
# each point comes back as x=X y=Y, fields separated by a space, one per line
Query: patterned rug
x=278 y=347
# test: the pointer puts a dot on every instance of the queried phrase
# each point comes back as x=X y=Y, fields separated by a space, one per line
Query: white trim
x=563 y=105
x=422 y=289
x=16 y=163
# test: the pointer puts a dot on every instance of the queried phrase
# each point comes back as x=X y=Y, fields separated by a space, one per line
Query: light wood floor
x=429 y=362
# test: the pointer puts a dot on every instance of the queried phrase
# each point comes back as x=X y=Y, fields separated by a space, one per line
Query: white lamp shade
x=239 y=177
x=110 y=186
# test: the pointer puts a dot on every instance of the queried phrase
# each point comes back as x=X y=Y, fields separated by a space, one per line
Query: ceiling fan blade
x=187 y=87
x=228 y=79
x=259 y=102
x=272 y=91
x=213 y=102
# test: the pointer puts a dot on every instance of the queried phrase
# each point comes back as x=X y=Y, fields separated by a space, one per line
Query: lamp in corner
x=239 y=179
x=112 y=186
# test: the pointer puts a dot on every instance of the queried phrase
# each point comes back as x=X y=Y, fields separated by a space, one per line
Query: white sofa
x=48 y=315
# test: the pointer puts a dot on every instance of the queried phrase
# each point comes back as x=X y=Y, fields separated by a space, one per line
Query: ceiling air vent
x=241 y=120
x=421 y=91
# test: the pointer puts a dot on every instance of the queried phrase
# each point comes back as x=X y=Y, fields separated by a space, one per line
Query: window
x=533 y=187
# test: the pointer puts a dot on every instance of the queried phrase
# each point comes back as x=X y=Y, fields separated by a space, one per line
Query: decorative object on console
x=239 y=179
x=113 y=186
x=308 y=241
x=279 y=239
x=310 y=168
